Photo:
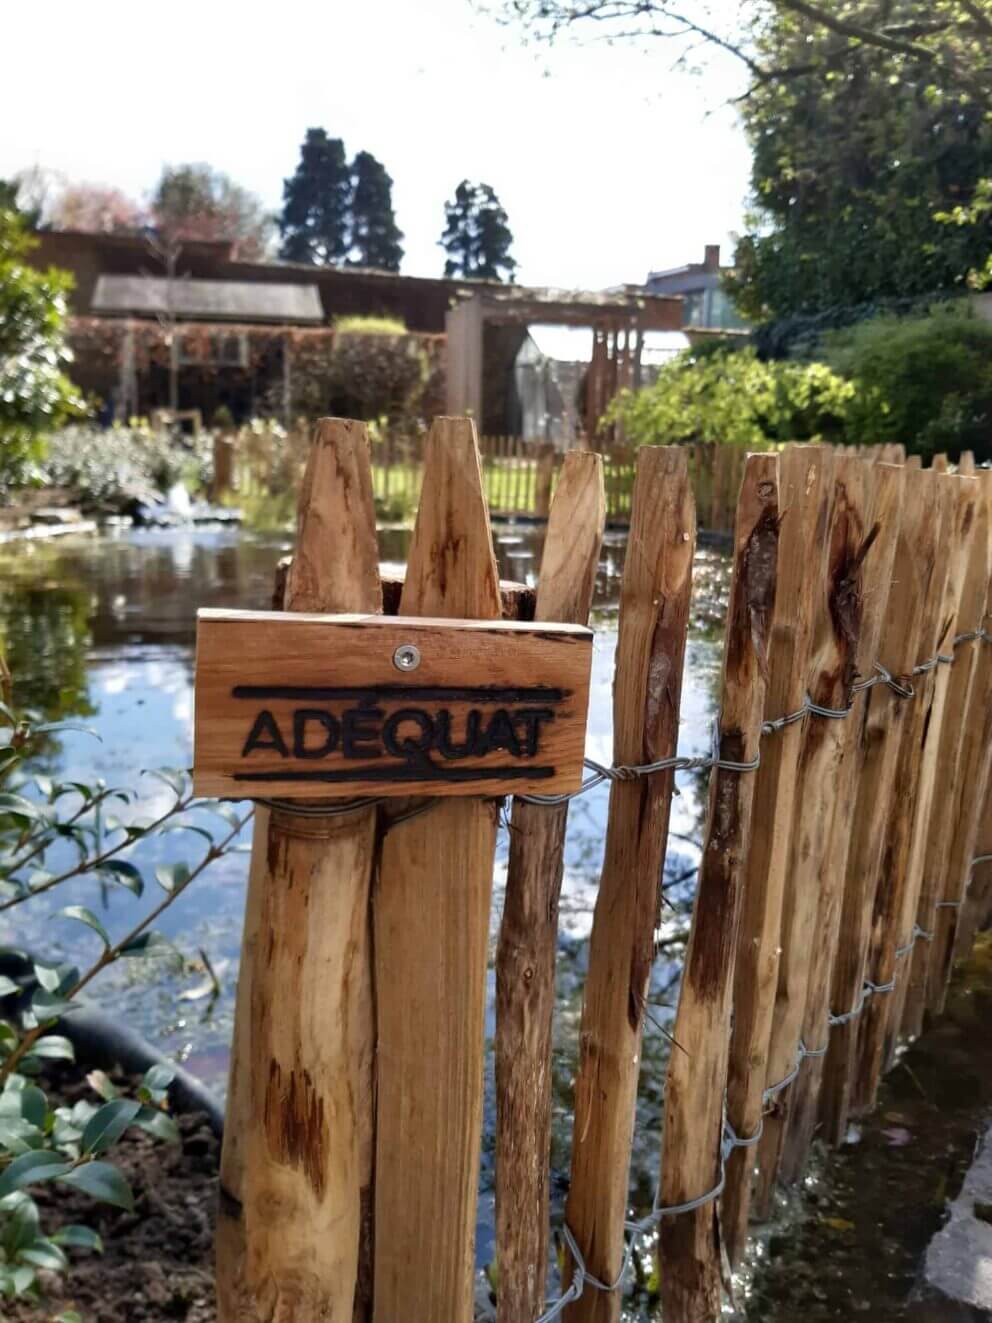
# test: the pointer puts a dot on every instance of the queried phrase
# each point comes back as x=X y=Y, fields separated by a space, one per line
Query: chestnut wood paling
x=884 y=1019
x=898 y=893
x=804 y=485
x=431 y=927
x=528 y=937
x=964 y=602
x=971 y=779
x=654 y=615
x=303 y=1044
x=883 y=722
x=884 y=490
x=836 y=632
x=689 y=1245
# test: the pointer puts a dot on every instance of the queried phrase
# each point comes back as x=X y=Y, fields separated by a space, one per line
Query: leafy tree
x=12 y=198
x=734 y=398
x=925 y=381
x=316 y=199
x=374 y=234
x=96 y=209
x=867 y=118
x=852 y=166
x=35 y=394
x=197 y=202
x=477 y=236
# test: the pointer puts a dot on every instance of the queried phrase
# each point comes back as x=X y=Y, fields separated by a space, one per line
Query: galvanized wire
x=729 y=1140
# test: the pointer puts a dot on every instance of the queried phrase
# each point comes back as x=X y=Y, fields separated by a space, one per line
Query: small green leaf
x=77 y=1237
x=159 y=1124
x=7 y=986
x=34 y=1106
x=86 y=916
x=53 y=1048
x=108 y=1124
x=48 y=976
x=19 y=806
x=43 y=1254
x=101 y=1083
x=125 y=874
x=68 y=1316
x=22 y=1279
x=147 y=944
x=49 y=1005
x=32 y=1168
x=172 y=877
x=57 y=727
x=103 y=1182
x=23 y=1226
x=19 y=1136
x=157 y=1078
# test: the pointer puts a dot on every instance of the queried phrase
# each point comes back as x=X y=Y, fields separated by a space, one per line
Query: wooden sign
x=317 y=707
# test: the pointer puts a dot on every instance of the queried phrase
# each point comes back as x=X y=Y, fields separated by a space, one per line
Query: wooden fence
x=844 y=864
x=519 y=475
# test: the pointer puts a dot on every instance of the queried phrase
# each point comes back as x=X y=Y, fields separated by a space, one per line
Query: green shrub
x=35 y=394
x=732 y=397
x=107 y=466
x=369 y=326
x=925 y=381
x=41 y=1142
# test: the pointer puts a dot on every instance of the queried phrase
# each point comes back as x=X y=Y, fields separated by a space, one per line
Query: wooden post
x=543 y=482
x=307 y=1052
x=804 y=483
x=837 y=630
x=964 y=602
x=895 y=910
x=975 y=745
x=886 y=716
x=883 y=486
x=689 y=1245
x=431 y=924
x=528 y=938
x=654 y=615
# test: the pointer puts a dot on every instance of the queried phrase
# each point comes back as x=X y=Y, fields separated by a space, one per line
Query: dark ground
x=157 y=1263
x=869 y=1210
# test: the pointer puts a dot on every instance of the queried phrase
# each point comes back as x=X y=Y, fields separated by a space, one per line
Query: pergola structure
x=618 y=319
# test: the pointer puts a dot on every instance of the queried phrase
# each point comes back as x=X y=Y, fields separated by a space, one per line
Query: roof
x=213 y=300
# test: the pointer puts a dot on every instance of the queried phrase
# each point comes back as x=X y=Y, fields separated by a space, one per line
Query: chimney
x=711 y=257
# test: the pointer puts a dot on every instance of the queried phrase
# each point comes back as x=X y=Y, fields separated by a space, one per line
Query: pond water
x=103 y=628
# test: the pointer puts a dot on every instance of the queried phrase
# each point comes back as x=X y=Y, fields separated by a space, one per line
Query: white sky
x=607 y=161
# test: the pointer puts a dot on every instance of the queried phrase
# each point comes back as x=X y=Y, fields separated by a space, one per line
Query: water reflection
x=104 y=628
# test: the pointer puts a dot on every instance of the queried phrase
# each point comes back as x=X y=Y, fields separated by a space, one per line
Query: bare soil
x=157 y=1263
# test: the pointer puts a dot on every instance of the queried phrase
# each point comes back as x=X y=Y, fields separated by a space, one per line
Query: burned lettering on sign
x=417 y=741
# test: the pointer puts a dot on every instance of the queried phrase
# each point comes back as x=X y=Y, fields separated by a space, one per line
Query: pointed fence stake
x=528 y=938
x=689 y=1244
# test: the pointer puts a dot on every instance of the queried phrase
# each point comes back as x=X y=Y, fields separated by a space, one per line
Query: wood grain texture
x=528 y=936
x=964 y=601
x=896 y=901
x=884 y=493
x=974 y=750
x=431 y=925
x=879 y=733
x=837 y=628
x=306 y=1094
x=689 y=1245
x=654 y=613
x=804 y=488
x=314 y=706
